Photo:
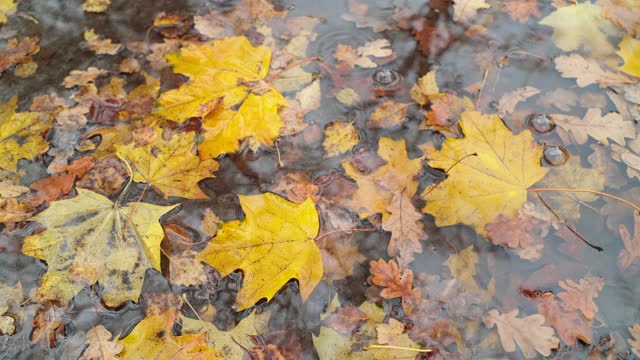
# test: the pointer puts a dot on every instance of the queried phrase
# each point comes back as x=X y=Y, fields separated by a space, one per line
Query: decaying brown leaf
x=631 y=252
x=579 y=296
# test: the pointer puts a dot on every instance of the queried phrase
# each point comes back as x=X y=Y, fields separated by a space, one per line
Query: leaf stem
x=371 y=347
x=289 y=67
x=636 y=207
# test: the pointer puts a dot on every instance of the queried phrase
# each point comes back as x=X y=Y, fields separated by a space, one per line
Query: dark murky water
x=521 y=55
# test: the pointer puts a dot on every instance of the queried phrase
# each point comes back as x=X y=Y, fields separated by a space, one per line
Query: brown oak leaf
x=345 y=320
x=395 y=284
x=521 y=10
x=579 y=296
x=570 y=325
x=406 y=229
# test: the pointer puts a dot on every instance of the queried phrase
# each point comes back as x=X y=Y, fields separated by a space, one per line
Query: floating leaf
x=495 y=181
x=272 y=226
x=579 y=296
x=227 y=91
x=528 y=332
x=90 y=239
x=340 y=137
x=170 y=166
x=101 y=345
x=610 y=126
x=20 y=134
x=630 y=53
x=587 y=71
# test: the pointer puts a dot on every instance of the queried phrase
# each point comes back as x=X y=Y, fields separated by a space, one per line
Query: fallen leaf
x=635 y=341
x=376 y=189
x=508 y=101
x=465 y=10
x=347 y=96
x=396 y=284
x=570 y=325
x=101 y=346
x=631 y=252
x=562 y=99
x=20 y=134
x=340 y=137
x=623 y=13
x=630 y=53
x=363 y=55
x=232 y=70
x=81 y=78
x=610 y=126
x=152 y=338
x=518 y=233
x=572 y=175
x=229 y=341
x=426 y=89
x=345 y=319
x=528 y=332
x=579 y=296
x=521 y=10
x=51 y=188
x=462 y=266
x=119 y=243
x=495 y=181
x=272 y=226
x=388 y=115
x=17 y=51
x=587 y=71
x=406 y=229
x=96 y=6
x=296 y=186
x=7 y=7
x=580 y=25
x=170 y=166
x=99 y=45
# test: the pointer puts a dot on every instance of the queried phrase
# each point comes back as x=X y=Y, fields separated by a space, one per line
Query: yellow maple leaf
x=153 y=339
x=20 y=134
x=340 y=137
x=232 y=70
x=169 y=165
x=7 y=7
x=630 y=53
x=479 y=188
x=90 y=239
x=377 y=189
x=580 y=25
x=273 y=244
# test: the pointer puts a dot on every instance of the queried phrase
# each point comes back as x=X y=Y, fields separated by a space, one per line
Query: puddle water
x=482 y=60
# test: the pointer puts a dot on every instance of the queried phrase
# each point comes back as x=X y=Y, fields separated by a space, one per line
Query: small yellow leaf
x=630 y=53
x=493 y=182
x=426 y=88
x=340 y=137
x=169 y=165
x=20 y=134
x=272 y=227
x=96 y=6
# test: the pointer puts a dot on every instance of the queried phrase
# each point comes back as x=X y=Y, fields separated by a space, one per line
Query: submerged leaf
x=90 y=239
x=20 y=134
x=528 y=332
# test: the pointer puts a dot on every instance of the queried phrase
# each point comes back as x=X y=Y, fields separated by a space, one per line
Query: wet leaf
x=272 y=226
x=395 y=283
x=528 y=333
x=631 y=252
x=570 y=325
x=340 y=137
x=363 y=56
x=508 y=102
x=96 y=6
x=388 y=115
x=345 y=319
x=426 y=89
x=99 y=45
x=81 y=78
x=610 y=126
x=630 y=53
x=579 y=296
x=90 y=239
x=635 y=341
x=228 y=341
x=227 y=91
x=465 y=10
x=623 y=13
x=20 y=134
x=7 y=7
x=170 y=166
x=587 y=71
x=153 y=338
x=101 y=345
x=580 y=25
x=521 y=10
x=522 y=233
x=406 y=229
x=495 y=181
x=377 y=189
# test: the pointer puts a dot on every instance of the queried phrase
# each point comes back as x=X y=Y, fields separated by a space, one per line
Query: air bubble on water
x=541 y=123
x=555 y=155
x=386 y=78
